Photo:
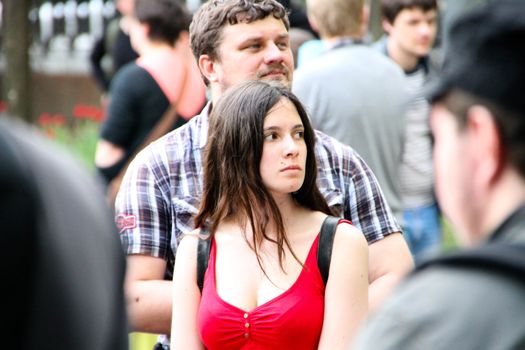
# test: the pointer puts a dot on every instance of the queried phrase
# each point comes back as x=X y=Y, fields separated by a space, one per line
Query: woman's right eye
x=270 y=137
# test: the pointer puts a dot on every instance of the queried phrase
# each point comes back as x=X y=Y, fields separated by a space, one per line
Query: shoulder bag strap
x=162 y=127
x=326 y=242
x=203 y=256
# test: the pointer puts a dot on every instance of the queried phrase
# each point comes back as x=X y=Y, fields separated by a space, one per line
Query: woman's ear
x=387 y=26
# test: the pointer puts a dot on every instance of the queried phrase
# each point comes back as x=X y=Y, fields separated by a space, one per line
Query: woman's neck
x=286 y=204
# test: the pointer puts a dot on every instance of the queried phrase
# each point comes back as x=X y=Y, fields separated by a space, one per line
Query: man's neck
x=333 y=40
x=506 y=197
x=149 y=47
x=405 y=60
x=216 y=92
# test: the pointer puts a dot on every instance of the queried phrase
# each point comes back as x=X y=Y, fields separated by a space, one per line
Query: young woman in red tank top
x=261 y=205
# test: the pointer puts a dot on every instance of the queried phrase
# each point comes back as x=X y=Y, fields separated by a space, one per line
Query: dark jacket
x=61 y=255
x=456 y=306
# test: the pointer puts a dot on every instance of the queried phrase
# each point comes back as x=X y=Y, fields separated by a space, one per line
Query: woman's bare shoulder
x=347 y=233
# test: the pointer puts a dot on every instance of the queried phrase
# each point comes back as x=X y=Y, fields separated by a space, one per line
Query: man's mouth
x=274 y=72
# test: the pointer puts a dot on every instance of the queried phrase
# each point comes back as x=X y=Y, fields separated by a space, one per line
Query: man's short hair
x=511 y=125
x=391 y=8
x=211 y=17
x=336 y=17
x=484 y=66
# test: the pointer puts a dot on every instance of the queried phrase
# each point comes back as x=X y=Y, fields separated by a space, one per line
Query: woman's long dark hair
x=233 y=187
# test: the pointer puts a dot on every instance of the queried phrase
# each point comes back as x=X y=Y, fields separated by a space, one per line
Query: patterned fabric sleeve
x=142 y=212
x=351 y=188
x=161 y=192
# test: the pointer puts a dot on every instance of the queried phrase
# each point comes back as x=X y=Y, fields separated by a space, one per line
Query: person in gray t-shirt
x=355 y=94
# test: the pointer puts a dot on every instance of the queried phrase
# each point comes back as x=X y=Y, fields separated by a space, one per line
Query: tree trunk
x=17 y=74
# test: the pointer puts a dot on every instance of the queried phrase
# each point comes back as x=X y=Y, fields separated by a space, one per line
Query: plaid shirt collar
x=202 y=124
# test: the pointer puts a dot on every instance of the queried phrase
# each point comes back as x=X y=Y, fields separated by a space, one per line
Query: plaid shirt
x=162 y=189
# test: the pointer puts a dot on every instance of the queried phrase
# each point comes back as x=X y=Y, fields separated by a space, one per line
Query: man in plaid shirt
x=233 y=41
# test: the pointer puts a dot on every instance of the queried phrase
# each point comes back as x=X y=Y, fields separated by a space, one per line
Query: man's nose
x=274 y=53
x=425 y=28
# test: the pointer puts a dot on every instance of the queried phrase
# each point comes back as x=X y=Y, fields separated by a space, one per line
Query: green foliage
x=78 y=138
x=449 y=240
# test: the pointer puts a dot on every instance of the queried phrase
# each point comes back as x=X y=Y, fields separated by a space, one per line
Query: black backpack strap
x=501 y=258
x=326 y=242
x=203 y=255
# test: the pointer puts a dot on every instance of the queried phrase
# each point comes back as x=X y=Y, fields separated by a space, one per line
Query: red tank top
x=292 y=320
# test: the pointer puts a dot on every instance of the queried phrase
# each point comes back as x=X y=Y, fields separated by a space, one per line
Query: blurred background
x=48 y=43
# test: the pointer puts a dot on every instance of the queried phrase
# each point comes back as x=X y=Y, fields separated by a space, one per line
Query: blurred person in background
x=62 y=264
x=472 y=298
x=355 y=94
x=165 y=74
x=297 y=16
x=411 y=27
x=113 y=50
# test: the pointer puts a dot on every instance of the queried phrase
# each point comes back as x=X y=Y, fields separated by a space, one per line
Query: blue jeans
x=422 y=231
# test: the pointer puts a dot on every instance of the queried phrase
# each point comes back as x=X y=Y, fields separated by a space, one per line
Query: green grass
x=449 y=240
x=79 y=138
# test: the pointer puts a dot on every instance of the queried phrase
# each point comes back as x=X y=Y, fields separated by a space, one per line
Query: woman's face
x=283 y=159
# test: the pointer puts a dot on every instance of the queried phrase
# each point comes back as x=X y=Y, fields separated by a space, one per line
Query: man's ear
x=207 y=68
x=486 y=143
x=183 y=39
x=144 y=28
x=387 y=26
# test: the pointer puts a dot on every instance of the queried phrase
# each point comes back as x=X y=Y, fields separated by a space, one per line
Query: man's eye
x=283 y=45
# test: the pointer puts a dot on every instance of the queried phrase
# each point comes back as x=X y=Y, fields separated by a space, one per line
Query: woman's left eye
x=299 y=134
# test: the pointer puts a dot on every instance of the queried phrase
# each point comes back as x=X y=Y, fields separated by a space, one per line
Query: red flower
x=81 y=111
x=44 y=119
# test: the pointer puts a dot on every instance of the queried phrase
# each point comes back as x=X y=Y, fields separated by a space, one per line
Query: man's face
x=138 y=33
x=259 y=50
x=125 y=7
x=453 y=171
x=413 y=31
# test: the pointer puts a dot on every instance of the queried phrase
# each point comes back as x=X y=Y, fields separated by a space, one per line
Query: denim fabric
x=422 y=231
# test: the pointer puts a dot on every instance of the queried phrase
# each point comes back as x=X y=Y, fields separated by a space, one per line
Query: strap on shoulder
x=326 y=242
x=203 y=255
